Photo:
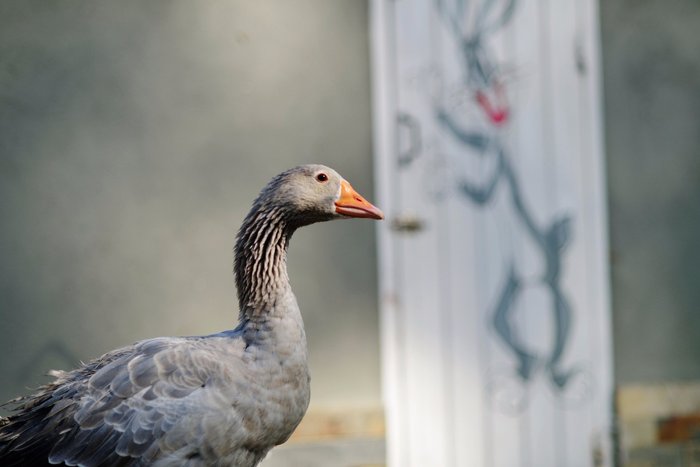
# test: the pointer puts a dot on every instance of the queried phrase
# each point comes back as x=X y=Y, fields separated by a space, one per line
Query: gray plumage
x=220 y=400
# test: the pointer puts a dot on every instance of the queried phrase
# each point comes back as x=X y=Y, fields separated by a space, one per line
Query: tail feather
x=26 y=435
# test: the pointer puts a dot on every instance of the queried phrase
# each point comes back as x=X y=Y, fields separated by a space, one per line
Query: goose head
x=297 y=197
x=316 y=193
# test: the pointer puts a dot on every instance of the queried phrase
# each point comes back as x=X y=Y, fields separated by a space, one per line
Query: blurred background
x=134 y=136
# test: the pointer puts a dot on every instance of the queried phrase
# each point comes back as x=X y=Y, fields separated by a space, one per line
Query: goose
x=223 y=399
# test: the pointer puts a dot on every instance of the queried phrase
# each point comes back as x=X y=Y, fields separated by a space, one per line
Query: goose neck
x=260 y=265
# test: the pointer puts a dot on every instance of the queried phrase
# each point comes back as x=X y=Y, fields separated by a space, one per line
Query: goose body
x=219 y=400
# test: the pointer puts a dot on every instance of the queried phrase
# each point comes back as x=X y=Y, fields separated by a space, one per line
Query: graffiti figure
x=482 y=78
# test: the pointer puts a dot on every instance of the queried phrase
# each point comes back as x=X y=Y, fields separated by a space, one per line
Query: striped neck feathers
x=260 y=261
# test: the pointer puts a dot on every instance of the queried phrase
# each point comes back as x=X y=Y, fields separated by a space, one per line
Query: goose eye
x=322 y=177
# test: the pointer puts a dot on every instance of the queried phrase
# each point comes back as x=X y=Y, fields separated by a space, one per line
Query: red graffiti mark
x=498 y=113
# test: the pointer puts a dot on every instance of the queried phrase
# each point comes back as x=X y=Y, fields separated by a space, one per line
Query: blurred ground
x=353 y=452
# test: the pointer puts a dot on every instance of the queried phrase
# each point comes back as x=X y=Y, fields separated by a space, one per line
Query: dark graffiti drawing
x=551 y=242
x=482 y=77
x=483 y=80
x=415 y=143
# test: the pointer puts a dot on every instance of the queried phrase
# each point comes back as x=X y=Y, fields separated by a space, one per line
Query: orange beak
x=351 y=204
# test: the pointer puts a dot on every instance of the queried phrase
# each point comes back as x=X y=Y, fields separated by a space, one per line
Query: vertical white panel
x=568 y=120
x=384 y=141
x=420 y=290
x=593 y=209
x=495 y=314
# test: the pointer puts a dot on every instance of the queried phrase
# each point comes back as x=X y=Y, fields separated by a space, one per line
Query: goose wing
x=130 y=406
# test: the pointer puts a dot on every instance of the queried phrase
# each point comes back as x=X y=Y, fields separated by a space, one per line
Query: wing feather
x=126 y=404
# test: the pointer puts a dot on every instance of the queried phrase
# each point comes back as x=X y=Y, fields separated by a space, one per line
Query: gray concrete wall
x=651 y=52
x=134 y=136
